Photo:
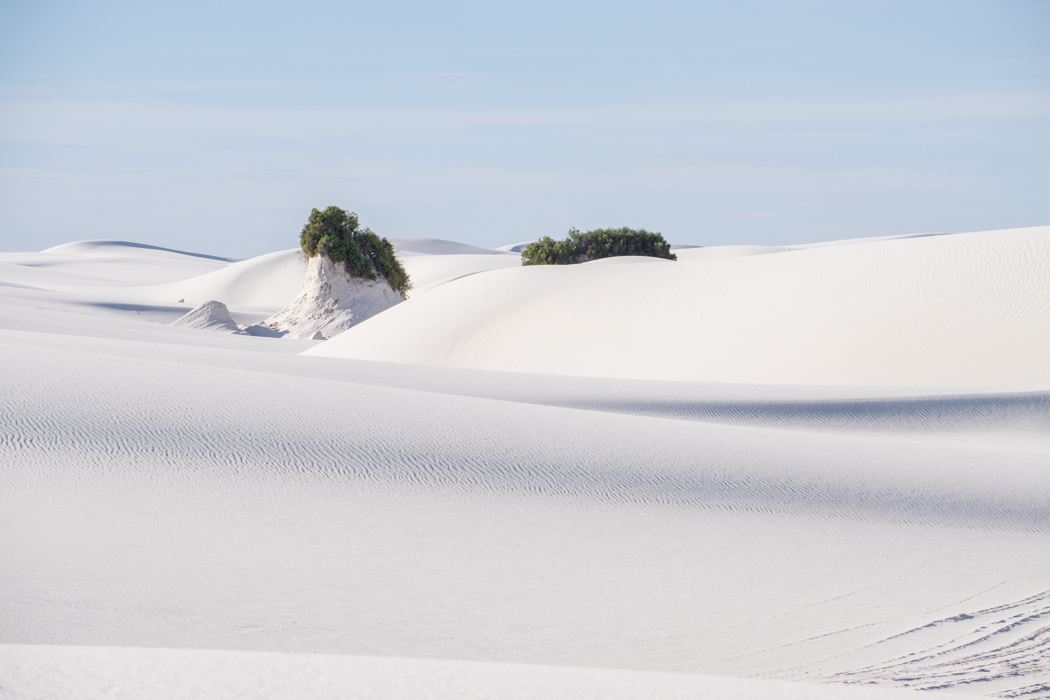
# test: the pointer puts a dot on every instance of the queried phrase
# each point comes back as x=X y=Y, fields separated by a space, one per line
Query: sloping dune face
x=91 y=673
x=102 y=248
x=103 y=263
x=432 y=262
x=954 y=310
x=439 y=246
x=267 y=280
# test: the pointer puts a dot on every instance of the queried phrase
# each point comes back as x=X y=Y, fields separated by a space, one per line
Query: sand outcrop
x=331 y=301
x=209 y=316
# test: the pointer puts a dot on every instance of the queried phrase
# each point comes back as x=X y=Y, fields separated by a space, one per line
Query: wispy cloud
x=741 y=163
x=64 y=122
x=412 y=185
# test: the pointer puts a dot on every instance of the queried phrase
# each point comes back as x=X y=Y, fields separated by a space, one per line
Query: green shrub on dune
x=339 y=235
x=599 y=243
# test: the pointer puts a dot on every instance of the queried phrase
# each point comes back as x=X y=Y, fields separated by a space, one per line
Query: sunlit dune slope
x=94 y=672
x=267 y=280
x=953 y=310
x=103 y=264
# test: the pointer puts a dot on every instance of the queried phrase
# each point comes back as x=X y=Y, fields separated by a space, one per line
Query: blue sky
x=218 y=126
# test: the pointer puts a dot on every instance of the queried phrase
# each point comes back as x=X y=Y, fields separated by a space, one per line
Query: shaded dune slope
x=218 y=420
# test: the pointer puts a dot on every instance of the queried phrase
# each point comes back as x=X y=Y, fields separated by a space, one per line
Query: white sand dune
x=432 y=262
x=109 y=263
x=959 y=310
x=430 y=271
x=49 y=274
x=438 y=246
x=825 y=547
x=209 y=316
x=133 y=273
x=692 y=252
x=122 y=272
x=102 y=248
x=184 y=513
x=275 y=280
x=725 y=251
x=91 y=673
x=514 y=247
x=627 y=260
x=271 y=280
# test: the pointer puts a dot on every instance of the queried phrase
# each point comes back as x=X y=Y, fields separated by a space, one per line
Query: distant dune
x=270 y=280
x=132 y=273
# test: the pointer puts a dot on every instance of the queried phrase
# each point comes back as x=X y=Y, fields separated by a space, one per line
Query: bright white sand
x=99 y=672
x=121 y=272
x=966 y=309
x=192 y=491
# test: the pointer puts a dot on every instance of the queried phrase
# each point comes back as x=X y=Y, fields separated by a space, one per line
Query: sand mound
x=959 y=310
x=332 y=301
x=46 y=276
x=437 y=246
x=108 y=248
x=626 y=260
x=93 y=673
x=514 y=247
x=209 y=316
x=695 y=252
x=72 y=266
x=432 y=262
x=725 y=251
x=271 y=280
x=430 y=271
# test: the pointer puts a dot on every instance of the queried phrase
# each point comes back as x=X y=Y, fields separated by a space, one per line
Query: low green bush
x=339 y=235
x=599 y=243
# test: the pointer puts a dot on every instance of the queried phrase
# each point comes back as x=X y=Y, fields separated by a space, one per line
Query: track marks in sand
x=1003 y=650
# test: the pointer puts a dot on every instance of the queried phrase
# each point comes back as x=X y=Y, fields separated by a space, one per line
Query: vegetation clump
x=339 y=235
x=599 y=243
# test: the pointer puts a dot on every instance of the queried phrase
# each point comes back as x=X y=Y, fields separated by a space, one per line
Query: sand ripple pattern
x=77 y=414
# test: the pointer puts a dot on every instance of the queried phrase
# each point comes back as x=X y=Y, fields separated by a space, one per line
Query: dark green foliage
x=600 y=243
x=339 y=235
